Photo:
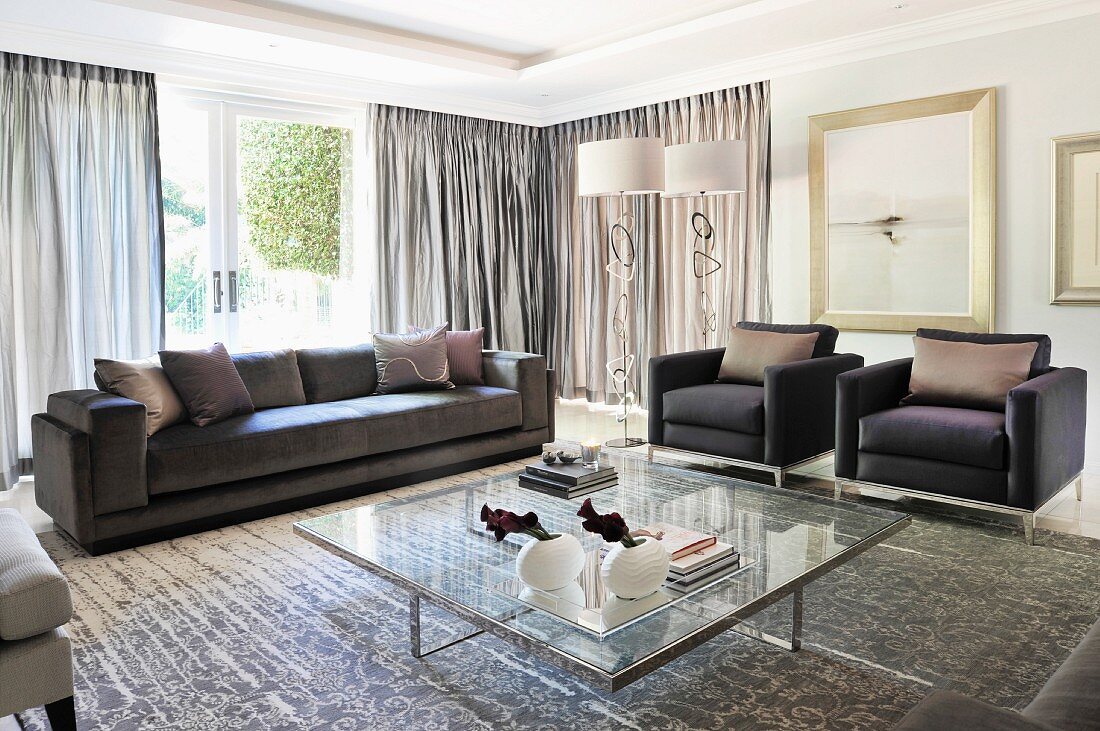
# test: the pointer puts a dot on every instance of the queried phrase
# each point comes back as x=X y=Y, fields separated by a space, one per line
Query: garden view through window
x=258 y=226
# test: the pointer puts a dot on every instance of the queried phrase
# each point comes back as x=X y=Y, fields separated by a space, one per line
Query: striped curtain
x=478 y=223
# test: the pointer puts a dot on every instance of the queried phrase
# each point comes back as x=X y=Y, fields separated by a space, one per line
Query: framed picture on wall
x=1075 y=266
x=902 y=214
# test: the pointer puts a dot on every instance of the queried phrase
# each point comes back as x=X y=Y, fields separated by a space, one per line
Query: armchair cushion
x=749 y=352
x=729 y=406
x=967 y=375
x=1040 y=362
x=826 y=334
x=962 y=436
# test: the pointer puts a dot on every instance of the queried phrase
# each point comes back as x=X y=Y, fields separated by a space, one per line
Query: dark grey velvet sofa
x=109 y=486
x=775 y=427
x=1008 y=462
x=1070 y=701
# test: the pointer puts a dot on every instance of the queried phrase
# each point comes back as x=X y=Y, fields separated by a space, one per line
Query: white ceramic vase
x=636 y=571
x=550 y=565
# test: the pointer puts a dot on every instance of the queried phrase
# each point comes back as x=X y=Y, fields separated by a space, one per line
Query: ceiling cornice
x=208 y=70
x=987 y=20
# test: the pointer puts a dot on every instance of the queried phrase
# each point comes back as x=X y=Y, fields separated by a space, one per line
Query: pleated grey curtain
x=666 y=317
x=478 y=223
x=81 y=233
x=458 y=226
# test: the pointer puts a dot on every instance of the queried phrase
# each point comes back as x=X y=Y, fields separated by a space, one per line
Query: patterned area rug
x=250 y=627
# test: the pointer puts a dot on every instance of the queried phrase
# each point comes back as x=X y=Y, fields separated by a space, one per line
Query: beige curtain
x=665 y=316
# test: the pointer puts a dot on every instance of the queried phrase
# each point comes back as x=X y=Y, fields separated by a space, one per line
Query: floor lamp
x=630 y=166
x=699 y=169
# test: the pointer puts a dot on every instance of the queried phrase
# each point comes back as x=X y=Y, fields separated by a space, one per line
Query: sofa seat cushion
x=1070 y=699
x=962 y=436
x=34 y=595
x=276 y=440
x=729 y=406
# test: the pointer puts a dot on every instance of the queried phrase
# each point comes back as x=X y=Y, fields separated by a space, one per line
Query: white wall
x=1047 y=85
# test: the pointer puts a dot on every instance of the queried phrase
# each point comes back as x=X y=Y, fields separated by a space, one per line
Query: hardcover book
x=700 y=560
x=679 y=542
x=569 y=474
x=563 y=491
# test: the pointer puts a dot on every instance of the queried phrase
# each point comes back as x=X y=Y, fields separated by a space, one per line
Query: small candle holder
x=590 y=455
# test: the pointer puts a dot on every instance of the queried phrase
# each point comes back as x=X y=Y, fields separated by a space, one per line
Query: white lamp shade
x=709 y=168
x=629 y=165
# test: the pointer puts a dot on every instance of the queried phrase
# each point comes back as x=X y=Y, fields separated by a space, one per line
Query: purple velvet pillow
x=464 y=351
x=208 y=383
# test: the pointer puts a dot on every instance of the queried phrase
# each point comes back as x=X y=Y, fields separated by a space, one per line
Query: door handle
x=217 y=292
x=232 y=291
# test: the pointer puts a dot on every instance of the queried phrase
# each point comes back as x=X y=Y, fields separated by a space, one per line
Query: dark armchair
x=1009 y=462
x=775 y=426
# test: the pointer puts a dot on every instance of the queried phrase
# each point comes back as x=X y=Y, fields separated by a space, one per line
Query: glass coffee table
x=434 y=547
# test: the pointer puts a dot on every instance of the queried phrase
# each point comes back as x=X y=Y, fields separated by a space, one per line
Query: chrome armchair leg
x=649 y=450
x=1029 y=529
x=1078 y=484
x=779 y=478
x=838 y=489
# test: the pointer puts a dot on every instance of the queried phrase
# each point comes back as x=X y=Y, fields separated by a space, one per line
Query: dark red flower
x=611 y=527
x=502 y=522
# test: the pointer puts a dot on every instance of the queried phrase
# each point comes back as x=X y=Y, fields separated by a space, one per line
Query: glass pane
x=294 y=263
x=185 y=176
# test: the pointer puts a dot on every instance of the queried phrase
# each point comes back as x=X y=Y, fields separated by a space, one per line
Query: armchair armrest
x=1045 y=422
x=861 y=392
x=800 y=407
x=526 y=374
x=673 y=371
x=116 y=446
x=945 y=709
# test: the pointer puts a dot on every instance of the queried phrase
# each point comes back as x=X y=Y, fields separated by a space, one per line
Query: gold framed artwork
x=903 y=214
x=1075 y=263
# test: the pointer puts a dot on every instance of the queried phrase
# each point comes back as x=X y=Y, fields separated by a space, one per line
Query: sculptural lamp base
x=625 y=442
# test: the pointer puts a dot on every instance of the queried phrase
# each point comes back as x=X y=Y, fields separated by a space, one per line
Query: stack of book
x=567 y=480
x=694 y=557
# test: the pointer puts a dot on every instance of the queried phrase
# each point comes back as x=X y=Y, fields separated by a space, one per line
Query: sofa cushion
x=34 y=595
x=1070 y=699
x=185 y=457
x=413 y=361
x=332 y=374
x=271 y=377
x=207 y=383
x=962 y=436
x=826 y=334
x=1040 y=363
x=729 y=406
x=143 y=381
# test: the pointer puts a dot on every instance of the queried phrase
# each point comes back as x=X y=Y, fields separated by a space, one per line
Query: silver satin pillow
x=415 y=361
x=144 y=381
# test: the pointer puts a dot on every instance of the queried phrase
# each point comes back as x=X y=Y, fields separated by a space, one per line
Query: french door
x=260 y=240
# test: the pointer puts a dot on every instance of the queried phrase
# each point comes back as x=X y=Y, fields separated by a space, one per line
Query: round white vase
x=635 y=571
x=550 y=565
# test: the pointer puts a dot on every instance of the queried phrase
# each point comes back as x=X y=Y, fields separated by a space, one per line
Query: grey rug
x=250 y=627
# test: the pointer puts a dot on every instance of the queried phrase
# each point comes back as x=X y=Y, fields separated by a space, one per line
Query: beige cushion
x=967 y=375
x=34 y=595
x=35 y=671
x=144 y=381
x=749 y=352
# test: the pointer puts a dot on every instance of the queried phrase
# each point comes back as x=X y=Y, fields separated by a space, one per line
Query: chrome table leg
x=414 y=631
x=795 y=642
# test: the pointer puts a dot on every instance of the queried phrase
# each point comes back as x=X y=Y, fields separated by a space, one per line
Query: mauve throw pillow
x=146 y=382
x=414 y=361
x=749 y=352
x=208 y=383
x=464 y=353
x=967 y=375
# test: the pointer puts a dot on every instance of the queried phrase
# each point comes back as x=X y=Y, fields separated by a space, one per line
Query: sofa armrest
x=116 y=445
x=861 y=392
x=945 y=709
x=1045 y=423
x=673 y=371
x=800 y=407
x=524 y=373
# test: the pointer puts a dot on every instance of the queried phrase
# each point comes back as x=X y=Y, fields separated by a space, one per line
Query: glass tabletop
x=436 y=541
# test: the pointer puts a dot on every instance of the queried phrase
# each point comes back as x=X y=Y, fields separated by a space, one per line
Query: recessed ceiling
x=518 y=60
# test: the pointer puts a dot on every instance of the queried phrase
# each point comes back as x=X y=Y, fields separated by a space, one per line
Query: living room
x=376 y=365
